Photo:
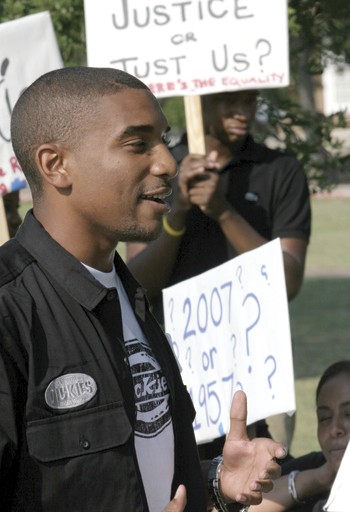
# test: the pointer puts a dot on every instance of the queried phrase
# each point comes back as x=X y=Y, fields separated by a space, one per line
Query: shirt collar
x=67 y=271
x=249 y=152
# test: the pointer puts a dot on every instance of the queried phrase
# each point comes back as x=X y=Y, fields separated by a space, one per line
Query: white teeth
x=157 y=197
x=160 y=196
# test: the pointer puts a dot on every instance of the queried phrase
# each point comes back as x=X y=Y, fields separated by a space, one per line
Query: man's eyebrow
x=141 y=128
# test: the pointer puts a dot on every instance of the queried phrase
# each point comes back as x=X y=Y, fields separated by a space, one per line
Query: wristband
x=215 y=492
x=291 y=487
x=171 y=231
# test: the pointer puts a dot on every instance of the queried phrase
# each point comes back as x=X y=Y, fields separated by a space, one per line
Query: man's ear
x=50 y=160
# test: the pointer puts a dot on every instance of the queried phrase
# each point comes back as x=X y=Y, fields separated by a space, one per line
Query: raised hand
x=249 y=466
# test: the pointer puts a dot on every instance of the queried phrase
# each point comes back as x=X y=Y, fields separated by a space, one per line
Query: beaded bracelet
x=291 y=487
x=171 y=231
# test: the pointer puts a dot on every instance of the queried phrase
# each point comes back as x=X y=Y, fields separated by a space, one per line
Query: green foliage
x=318 y=32
x=320 y=27
x=308 y=135
x=174 y=110
x=68 y=20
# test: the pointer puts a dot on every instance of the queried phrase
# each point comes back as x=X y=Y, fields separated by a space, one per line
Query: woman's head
x=333 y=411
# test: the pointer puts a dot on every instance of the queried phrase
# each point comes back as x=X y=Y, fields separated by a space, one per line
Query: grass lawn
x=320 y=327
x=329 y=250
x=320 y=315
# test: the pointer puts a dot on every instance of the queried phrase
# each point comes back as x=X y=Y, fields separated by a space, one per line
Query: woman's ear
x=50 y=160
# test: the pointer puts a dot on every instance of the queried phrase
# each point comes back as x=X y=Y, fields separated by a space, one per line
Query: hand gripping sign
x=229 y=328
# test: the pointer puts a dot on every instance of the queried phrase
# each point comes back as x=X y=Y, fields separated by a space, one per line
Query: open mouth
x=157 y=195
x=156 y=198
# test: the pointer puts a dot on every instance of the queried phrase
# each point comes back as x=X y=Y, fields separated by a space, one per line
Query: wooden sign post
x=194 y=124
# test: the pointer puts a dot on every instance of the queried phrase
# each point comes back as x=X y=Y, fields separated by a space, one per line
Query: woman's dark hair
x=333 y=370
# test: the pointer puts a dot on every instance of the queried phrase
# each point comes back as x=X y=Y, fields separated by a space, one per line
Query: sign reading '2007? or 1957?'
x=229 y=329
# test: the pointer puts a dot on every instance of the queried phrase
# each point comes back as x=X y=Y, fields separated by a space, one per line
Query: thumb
x=212 y=158
x=212 y=155
x=238 y=418
x=178 y=503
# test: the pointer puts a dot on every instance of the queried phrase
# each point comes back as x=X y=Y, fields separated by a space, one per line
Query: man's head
x=92 y=143
x=228 y=116
x=56 y=107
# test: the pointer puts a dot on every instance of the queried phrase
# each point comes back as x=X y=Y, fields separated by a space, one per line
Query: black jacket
x=57 y=320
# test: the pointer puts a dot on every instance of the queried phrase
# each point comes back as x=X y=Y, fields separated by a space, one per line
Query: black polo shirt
x=267 y=187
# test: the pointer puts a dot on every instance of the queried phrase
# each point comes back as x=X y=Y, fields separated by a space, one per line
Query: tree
x=318 y=32
x=68 y=21
x=318 y=35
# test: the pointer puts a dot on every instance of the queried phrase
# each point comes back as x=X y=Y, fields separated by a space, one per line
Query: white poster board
x=229 y=328
x=28 y=48
x=338 y=500
x=191 y=47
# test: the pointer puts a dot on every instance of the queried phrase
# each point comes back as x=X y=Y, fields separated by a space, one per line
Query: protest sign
x=229 y=329
x=191 y=47
x=28 y=48
x=338 y=500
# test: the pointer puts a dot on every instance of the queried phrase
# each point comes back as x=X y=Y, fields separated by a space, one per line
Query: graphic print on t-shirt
x=153 y=435
x=151 y=390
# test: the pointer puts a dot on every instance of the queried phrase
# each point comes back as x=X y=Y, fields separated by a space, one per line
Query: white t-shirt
x=154 y=436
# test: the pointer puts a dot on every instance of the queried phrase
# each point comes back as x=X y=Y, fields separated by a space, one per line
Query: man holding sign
x=232 y=200
x=94 y=413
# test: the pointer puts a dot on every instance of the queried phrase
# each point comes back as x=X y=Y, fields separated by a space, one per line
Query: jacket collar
x=69 y=273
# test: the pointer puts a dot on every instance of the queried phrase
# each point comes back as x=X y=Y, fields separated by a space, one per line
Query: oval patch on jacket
x=70 y=390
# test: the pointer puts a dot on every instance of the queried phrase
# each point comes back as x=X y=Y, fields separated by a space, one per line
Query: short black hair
x=55 y=108
x=335 y=369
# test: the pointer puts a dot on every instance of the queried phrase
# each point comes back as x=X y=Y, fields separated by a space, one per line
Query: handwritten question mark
x=234 y=339
x=264 y=273
x=171 y=307
x=251 y=297
x=266 y=45
x=274 y=366
x=239 y=275
x=188 y=357
x=3 y=67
